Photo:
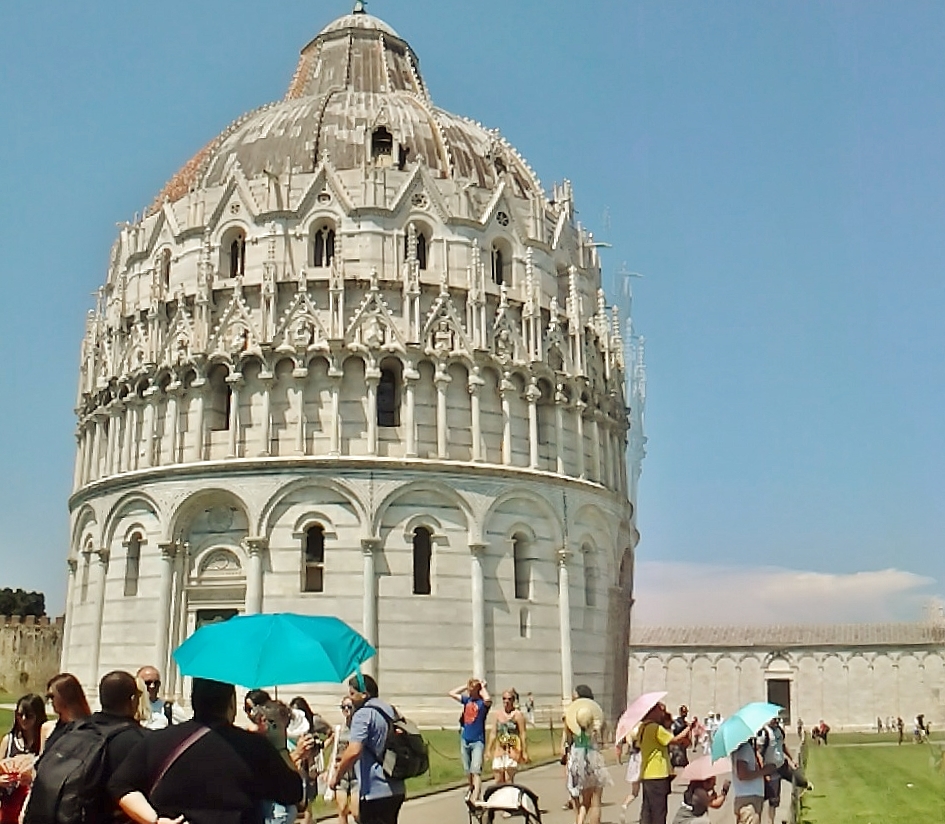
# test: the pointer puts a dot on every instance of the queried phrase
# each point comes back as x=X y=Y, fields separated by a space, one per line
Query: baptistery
x=355 y=360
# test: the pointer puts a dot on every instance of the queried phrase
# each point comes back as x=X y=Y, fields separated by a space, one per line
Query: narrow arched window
x=132 y=564
x=421 y=249
x=388 y=404
x=313 y=564
x=498 y=266
x=590 y=579
x=238 y=256
x=382 y=144
x=522 y=568
x=324 y=247
x=84 y=581
x=422 y=557
x=221 y=399
x=166 y=270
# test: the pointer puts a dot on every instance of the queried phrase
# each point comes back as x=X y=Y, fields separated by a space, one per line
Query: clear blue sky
x=775 y=170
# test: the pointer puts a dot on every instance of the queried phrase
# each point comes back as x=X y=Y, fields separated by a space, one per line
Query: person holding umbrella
x=204 y=771
x=655 y=770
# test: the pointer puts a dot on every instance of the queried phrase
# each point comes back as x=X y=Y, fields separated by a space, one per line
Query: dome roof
x=356 y=76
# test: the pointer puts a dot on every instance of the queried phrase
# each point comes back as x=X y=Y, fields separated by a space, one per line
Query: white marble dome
x=356 y=361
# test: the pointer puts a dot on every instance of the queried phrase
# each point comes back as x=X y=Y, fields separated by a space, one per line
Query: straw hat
x=583 y=714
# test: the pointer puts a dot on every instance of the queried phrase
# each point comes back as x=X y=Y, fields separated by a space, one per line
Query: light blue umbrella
x=740 y=726
x=274 y=649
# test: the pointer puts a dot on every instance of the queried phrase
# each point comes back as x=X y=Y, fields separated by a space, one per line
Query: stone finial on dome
x=359 y=7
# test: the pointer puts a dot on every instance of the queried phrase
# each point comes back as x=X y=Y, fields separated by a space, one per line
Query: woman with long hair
x=68 y=702
x=22 y=740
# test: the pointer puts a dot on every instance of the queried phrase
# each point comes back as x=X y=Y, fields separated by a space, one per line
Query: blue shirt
x=474 y=719
x=369 y=729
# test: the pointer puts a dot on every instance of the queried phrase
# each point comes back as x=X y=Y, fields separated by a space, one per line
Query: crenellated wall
x=30 y=651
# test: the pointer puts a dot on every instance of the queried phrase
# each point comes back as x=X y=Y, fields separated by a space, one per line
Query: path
x=548 y=782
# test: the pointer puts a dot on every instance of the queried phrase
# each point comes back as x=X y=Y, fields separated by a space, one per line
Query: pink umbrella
x=703 y=768
x=633 y=714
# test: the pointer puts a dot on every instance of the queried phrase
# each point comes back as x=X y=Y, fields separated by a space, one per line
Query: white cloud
x=681 y=594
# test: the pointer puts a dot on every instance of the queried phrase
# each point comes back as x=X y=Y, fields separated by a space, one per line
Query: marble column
x=369 y=600
x=79 y=460
x=560 y=401
x=89 y=442
x=235 y=380
x=579 y=423
x=165 y=586
x=475 y=412
x=335 y=441
x=505 y=387
x=124 y=461
x=564 y=618
x=198 y=387
x=595 y=446
x=96 y=464
x=101 y=573
x=265 y=423
x=112 y=439
x=255 y=549
x=70 y=613
x=372 y=376
x=172 y=421
x=300 y=375
x=147 y=428
x=442 y=381
x=478 y=607
x=411 y=376
x=532 y=394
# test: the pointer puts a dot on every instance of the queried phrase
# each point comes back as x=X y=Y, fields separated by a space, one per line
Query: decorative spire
x=359 y=7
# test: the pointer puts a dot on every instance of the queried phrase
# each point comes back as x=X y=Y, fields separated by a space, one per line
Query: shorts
x=380 y=810
x=504 y=762
x=773 y=789
x=748 y=809
x=471 y=752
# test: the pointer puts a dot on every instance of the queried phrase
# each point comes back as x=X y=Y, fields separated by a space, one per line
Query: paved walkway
x=548 y=782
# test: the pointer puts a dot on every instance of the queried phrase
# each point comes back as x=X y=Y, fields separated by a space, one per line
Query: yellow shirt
x=654 y=757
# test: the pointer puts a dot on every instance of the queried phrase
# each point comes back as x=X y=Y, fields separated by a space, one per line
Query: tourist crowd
x=146 y=760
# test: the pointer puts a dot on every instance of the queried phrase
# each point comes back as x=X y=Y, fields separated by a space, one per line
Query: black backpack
x=405 y=751
x=68 y=782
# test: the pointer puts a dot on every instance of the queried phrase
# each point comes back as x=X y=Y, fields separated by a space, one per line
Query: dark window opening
x=522 y=571
x=132 y=564
x=422 y=556
x=590 y=580
x=166 y=270
x=498 y=266
x=402 y=157
x=221 y=399
x=421 y=249
x=324 y=251
x=388 y=407
x=238 y=256
x=313 y=573
x=382 y=143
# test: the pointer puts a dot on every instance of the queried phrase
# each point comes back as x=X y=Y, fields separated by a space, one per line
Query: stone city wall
x=30 y=651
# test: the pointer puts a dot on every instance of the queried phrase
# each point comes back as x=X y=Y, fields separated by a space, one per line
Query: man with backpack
x=69 y=786
x=381 y=795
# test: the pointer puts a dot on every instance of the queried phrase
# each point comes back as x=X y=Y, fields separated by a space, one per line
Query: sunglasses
x=152 y=683
x=25 y=715
x=347 y=707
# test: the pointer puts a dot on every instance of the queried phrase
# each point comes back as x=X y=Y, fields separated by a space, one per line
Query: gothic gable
x=443 y=333
x=373 y=326
x=301 y=329
x=235 y=334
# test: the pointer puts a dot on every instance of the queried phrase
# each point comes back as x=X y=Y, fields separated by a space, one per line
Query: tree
x=20 y=602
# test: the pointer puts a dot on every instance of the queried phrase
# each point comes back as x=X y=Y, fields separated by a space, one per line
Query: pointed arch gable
x=546 y=511
x=265 y=524
x=122 y=505
x=188 y=508
x=430 y=488
x=86 y=521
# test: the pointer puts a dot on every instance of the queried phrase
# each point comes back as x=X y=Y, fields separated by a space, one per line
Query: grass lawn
x=875 y=785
